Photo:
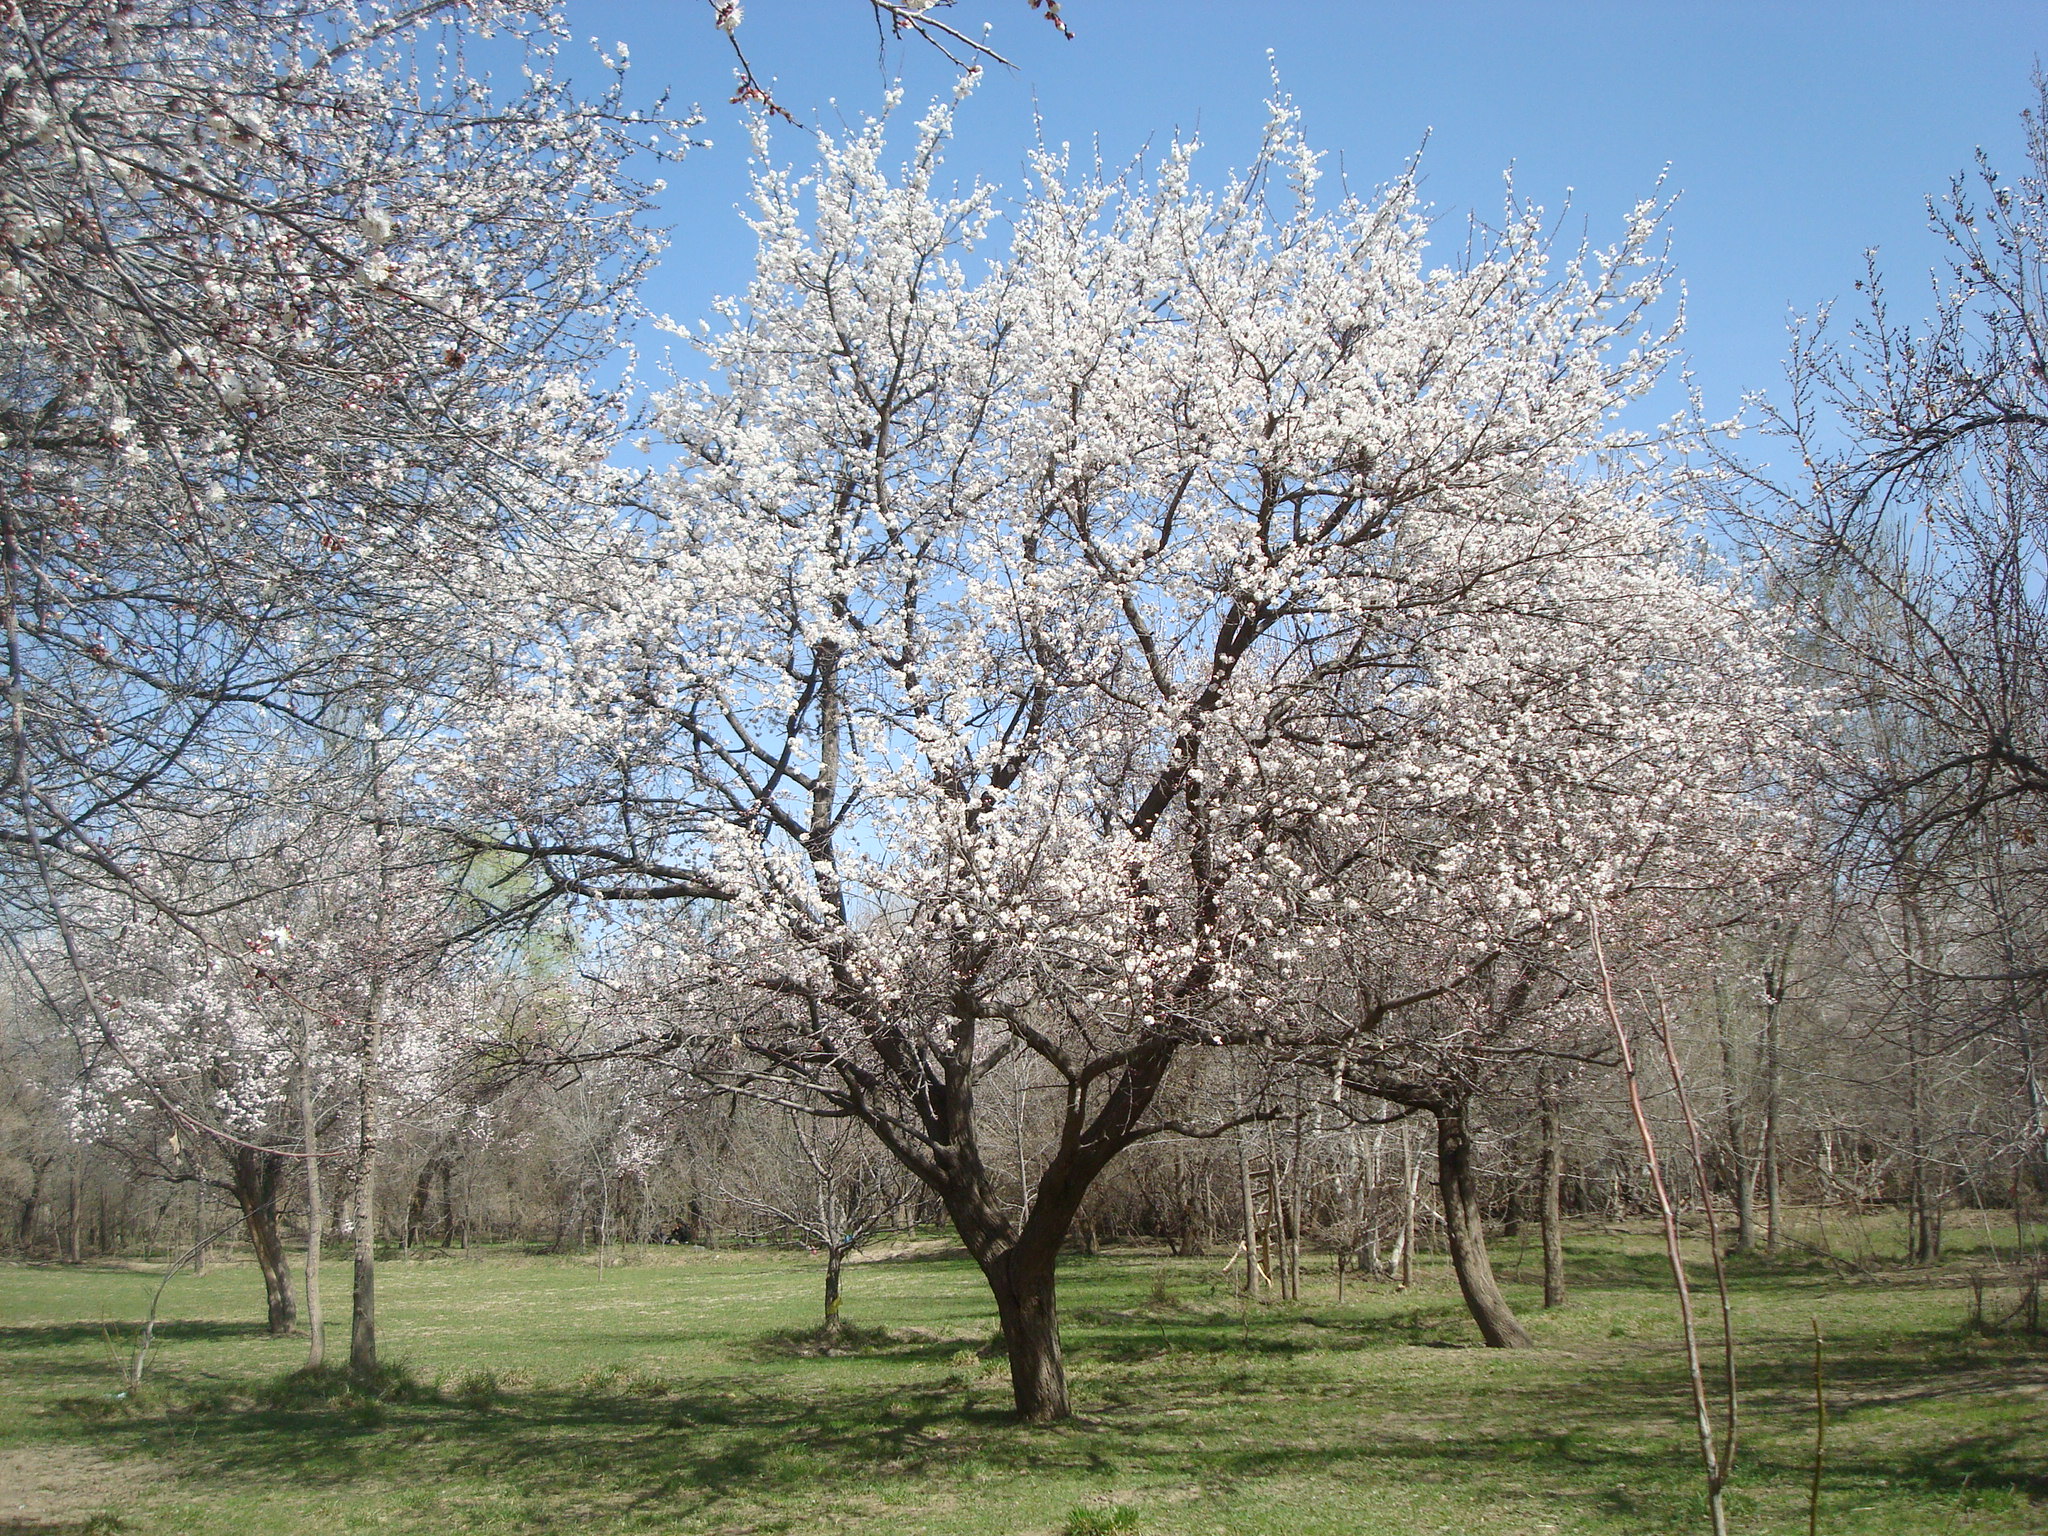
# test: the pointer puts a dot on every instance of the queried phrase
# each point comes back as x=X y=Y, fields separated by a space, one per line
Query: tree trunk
x=257 y=1176
x=1923 y=1217
x=1026 y=1301
x=1550 y=1204
x=1404 y=1263
x=362 y=1339
x=1774 y=1001
x=1248 y=1211
x=1742 y=1171
x=309 y=1131
x=835 y=1256
x=32 y=1203
x=1458 y=1184
x=1295 y=1211
x=72 y=1217
x=422 y=1197
x=1745 y=1207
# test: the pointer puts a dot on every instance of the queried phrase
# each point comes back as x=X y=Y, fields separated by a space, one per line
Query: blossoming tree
x=972 y=693
x=300 y=315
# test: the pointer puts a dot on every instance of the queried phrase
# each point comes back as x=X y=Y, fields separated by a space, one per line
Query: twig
x=1699 y=1171
x=1702 y=1412
x=1820 y=1437
x=148 y=1335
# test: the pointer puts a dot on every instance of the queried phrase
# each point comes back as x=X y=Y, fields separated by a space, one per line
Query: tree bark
x=835 y=1256
x=1411 y=1174
x=256 y=1178
x=1458 y=1185
x=1741 y=1167
x=1248 y=1211
x=309 y=1131
x=362 y=1339
x=1775 y=983
x=1550 y=1203
x=32 y=1203
x=1027 y=1302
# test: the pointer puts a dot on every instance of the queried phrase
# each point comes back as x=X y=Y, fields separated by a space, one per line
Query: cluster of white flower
x=1114 y=636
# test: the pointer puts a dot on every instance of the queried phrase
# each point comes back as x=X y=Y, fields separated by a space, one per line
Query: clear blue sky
x=1796 y=134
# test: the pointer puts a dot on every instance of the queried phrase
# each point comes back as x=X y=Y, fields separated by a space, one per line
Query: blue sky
x=1796 y=135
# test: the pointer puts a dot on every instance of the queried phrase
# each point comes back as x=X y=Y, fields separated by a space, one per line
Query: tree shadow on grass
x=703 y=1445
x=1610 y=1436
x=854 y=1342
x=1143 y=1333
x=35 y=1336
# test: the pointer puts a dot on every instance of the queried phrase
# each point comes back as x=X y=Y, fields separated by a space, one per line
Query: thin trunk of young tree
x=1772 y=1177
x=309 y=1131
x=71 y=1218
x=1550 y=1193
x=1703 y=1416
x=362 y=1342
x=1742 y=1173
x=1696 y=1145
x=1297 y=1185
x=1458 y=1186
x=1923 y=1215
x=1411 y=1177
x=362 y=1339
x=1249 y=1211
x=1774 y=1008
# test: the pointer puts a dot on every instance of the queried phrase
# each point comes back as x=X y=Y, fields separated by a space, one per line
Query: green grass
x=684 y=1393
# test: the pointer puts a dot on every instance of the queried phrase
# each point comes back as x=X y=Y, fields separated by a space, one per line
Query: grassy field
x=680 y=1394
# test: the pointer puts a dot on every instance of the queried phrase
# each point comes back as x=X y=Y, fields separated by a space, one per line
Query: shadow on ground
x=1171 y=1412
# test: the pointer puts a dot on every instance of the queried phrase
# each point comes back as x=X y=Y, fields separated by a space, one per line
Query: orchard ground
x=683 y=1392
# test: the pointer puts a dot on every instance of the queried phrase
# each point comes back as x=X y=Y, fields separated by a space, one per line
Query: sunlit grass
x=684 y=1393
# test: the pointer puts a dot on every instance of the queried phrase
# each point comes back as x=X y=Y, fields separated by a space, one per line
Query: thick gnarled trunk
x=256 y=1179
x=1025 y=1286
x=1458 y=1185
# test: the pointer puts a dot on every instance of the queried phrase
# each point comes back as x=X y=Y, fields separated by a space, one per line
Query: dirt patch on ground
x=51 y=1488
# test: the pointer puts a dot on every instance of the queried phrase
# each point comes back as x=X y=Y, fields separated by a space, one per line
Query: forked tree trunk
x=1458 y=1184
x=1027 y=1302
x=256 y=1177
